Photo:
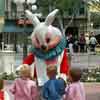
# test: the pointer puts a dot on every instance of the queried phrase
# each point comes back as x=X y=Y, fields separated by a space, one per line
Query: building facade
x=17 y=28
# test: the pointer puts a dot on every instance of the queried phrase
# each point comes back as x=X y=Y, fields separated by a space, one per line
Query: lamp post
x=26 y=4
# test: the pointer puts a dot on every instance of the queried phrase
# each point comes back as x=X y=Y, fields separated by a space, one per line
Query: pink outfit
x=24 y=89
x=75 y=91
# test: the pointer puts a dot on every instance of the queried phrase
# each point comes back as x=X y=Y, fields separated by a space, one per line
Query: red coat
x=1 y=95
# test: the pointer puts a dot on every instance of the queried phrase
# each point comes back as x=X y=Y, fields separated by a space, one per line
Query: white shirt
x=93 y=40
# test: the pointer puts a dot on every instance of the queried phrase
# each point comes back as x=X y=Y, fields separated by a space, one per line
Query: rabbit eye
x=37 y=40
x=48 y=40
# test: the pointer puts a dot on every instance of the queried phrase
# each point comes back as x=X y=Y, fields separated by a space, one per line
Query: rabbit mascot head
x=48 y=45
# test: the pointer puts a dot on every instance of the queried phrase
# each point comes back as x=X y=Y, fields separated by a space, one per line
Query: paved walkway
x=85 y=60
x=92 y=91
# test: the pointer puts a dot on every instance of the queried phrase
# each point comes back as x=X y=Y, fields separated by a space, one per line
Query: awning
x=10 y=26
x=1 y=23
x=2 y=7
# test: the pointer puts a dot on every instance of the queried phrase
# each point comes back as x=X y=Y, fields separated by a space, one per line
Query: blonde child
x=75 y=89
x=24 y=88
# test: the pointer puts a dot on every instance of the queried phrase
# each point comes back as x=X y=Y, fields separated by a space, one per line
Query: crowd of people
x=83 y=43
x=24 y=88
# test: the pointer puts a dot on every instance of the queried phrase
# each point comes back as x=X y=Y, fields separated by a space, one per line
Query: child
x=3 y=94
x=24 y=88
x=75 y=90
x=54 y=88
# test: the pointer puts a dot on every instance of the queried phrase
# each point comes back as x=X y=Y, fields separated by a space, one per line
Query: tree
x=94 y=8
x=95 y=17
x=65 y=7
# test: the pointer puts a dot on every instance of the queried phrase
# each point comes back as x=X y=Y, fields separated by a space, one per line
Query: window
x=81 y=11
x=70 y=11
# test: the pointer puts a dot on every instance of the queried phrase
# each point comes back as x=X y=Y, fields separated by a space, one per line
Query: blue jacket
x=53 y=89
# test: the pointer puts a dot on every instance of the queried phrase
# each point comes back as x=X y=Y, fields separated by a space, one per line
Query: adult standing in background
x=82 y=42
x=92 y=43
x=87 y=42
x=70 y=43
x=76 y=46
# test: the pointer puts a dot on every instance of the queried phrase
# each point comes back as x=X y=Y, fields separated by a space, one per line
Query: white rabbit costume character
x=48 y=47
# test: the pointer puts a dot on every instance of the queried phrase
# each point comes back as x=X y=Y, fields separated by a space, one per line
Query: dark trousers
x=92 y=47
x=82 y=46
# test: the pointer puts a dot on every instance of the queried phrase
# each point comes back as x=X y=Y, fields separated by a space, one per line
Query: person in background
x=93 y=43
x=24 y=88
x=82 y=42
x=75 y=90
x=76 y=46
x=54 y=88
x=70 y=43
x=3 y=93
x=87 y=42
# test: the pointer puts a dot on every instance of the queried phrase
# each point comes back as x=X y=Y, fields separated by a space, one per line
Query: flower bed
x=6 y=76
x=91 y=74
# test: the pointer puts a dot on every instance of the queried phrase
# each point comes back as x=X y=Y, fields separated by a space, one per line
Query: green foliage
x=66 y=4
x=95 y=17
x=91 y=75
x=63 y=5
x=6 y=76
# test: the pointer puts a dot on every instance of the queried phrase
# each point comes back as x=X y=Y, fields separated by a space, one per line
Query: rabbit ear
x=32 y=17
x=50 y=18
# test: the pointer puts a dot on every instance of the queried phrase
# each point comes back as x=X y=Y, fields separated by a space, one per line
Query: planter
x=7 y=61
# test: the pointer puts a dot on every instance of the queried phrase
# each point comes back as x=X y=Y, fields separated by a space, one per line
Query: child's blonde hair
x=25 y=71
